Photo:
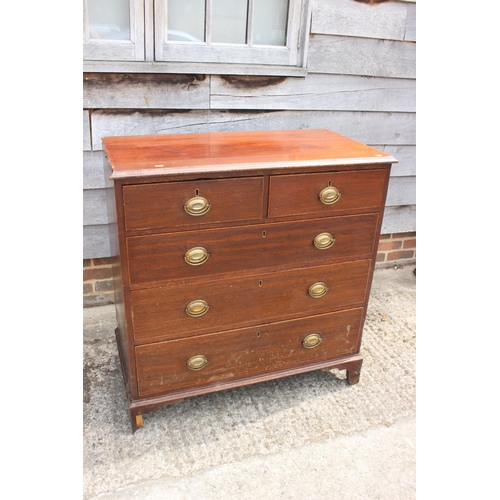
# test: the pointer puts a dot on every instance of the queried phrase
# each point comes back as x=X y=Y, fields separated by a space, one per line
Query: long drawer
x=162 y=313
x=208 y=359
x=326 y=193
x=166 y=256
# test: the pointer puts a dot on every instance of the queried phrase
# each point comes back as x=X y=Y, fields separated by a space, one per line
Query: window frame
x=225 y=52
x=146 y=54
x=117 y=50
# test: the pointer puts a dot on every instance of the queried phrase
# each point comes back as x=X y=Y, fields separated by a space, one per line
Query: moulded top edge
x=242 y=167
x=225 y=151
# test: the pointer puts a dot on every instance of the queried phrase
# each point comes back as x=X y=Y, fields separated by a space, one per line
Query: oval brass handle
x=197 y=308
x=324 y=241
x=197 y=206
x=196 y=256
x=318 y=290
x=197 y=362
x=312 y=341
x=329 y=195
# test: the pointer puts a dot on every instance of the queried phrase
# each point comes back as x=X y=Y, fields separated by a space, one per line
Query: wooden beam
x=316 y=92
x=366 y=127
x=347 y=18
x=362 y=56
x=119 y=90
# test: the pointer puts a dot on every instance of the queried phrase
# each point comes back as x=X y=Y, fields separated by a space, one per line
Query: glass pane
x=186 y=20
x=269 y=24
x=229 y=21
x=109 y=20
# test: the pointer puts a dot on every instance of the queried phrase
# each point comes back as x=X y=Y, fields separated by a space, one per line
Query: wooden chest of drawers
x=240 y=257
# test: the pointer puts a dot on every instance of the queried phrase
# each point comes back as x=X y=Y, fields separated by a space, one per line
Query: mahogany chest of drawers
x=240 y=257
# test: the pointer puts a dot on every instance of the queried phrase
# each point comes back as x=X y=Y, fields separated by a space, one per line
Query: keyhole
x=260 y=282
x=196 y=192
x=263 y=234
x=329 y=183
x=258 y=334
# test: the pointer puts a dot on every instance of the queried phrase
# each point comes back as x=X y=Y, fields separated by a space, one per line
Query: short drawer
x=219 y=357
x=326 y=193
x=167 y=256
x=205 y=307
x=179 y=204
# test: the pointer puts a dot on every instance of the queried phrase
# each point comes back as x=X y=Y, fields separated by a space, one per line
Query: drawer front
x=208 y=359
x=240 y=302
x=166 y=256
x=299 y=194
x=162 y=205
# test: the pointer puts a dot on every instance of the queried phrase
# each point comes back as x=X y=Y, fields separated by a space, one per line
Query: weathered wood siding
x=361 y=83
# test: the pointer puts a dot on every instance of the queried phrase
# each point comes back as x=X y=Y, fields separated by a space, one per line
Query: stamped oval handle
x=324 y=241
x=312 y=340
x=196 y=256
x=318 y=290
x=197 y=206
x=197 y=362
x=329 y=195
x=197 y=308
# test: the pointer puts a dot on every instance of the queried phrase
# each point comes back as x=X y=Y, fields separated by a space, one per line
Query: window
x=194 y=32
x=113 y=30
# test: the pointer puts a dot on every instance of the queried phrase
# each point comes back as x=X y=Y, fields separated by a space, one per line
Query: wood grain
x=402 y=191
x=366 y=127
x=298 y=194
x=160 y=257
x=161 y=205
x=87 y=141
x=162 y=366
x=362 y=56
x=159 y=313
x=122 y=90
x=316 y=92
x=261 y=259
x=348 y=18
x=399 y=219
x=140 y=155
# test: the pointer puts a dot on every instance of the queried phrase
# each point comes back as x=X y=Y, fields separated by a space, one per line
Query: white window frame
x=117 y=50
x=227 y=52
x=150 y=52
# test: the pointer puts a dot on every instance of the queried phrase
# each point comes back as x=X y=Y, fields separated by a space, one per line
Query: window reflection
x=270 y=18
x=109 y=20
x=186 y=20
x=229 y=21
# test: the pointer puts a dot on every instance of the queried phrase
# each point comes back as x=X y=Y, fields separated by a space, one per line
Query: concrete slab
x=378 y=463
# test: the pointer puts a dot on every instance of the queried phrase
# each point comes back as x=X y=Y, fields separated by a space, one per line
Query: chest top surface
x=138 y=156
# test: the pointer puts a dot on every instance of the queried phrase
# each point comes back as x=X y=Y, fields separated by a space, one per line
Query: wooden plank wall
x=361 y=83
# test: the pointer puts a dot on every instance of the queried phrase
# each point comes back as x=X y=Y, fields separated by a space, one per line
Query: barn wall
x=361 y=82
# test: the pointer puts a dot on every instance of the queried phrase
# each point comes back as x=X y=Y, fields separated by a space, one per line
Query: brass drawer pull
x=197 y=362
x=197 y=308
x=197 y=206
x=312 y=341
x=324 y=241
x=318 y=290
x=329 y=195
x=196 y=256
